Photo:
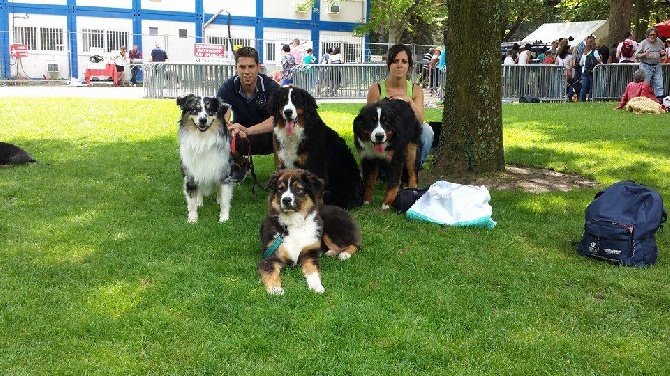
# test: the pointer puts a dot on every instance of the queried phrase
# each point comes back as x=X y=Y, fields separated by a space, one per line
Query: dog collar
x=275 y=244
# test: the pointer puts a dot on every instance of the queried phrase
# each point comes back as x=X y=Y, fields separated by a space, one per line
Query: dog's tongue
x=379 y=148
x=290 y=126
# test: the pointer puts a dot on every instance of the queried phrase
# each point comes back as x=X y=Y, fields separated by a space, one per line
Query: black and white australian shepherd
x=297 y=229
x=204 y=148
x=387 y=136
x=11 y=155
x=303 y=140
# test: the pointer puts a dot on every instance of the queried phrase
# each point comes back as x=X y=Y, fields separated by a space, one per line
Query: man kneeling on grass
x=638 y=88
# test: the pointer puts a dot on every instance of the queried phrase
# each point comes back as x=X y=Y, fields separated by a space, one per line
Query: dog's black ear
x=223 y=110
x=183 y=99
x=273 y=103
x=311 y=113
x=359 y=122
x=272 y=182
x=314 y=183
x=309 y=100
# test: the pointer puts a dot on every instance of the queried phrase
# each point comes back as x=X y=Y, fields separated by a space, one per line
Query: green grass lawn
x=101 y=274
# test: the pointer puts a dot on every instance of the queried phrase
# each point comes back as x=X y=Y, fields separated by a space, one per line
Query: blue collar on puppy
x=275 y=244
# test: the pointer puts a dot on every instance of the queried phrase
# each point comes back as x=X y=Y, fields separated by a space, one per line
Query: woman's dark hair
x=394 y=51
x=286 y=48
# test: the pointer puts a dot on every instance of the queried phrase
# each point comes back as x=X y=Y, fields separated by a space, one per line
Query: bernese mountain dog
x=303 y=140
x=11 y=155
x=387 y=136
x=297 y=229
x=204 y=148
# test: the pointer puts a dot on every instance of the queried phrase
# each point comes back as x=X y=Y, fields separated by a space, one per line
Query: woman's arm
x=373 y=94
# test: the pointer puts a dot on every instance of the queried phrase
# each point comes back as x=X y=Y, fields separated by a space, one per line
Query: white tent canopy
x=578 y=30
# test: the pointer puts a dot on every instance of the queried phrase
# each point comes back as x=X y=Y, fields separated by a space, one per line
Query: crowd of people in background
x=579 y=60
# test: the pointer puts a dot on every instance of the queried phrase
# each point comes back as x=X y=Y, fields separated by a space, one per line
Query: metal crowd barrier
x=344 y=81
x=543 y=81
x=610 y=80
x=170 y=80
x=351 y=81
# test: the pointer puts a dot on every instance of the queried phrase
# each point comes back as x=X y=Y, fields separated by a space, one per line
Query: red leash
x=233 y=150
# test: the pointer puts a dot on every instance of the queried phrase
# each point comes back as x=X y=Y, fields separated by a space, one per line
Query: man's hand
x=238 y=129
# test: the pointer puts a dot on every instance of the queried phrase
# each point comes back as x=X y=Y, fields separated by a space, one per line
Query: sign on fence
x=209 y=52
x=18 y=50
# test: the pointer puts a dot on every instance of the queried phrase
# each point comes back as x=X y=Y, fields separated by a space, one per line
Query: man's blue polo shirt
x=248 y=111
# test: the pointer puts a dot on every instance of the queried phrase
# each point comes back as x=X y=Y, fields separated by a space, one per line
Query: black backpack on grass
x=621 y=223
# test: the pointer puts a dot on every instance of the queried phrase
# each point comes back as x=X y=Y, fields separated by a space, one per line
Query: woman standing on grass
x=397 y=86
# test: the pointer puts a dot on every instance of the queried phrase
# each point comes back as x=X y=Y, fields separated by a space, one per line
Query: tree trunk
x=471 y=142
x=619 y=22
x=642 y=14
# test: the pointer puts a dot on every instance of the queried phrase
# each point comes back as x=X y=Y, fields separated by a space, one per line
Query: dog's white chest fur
x=288 y=145
x=205 y=155
x=302 y=231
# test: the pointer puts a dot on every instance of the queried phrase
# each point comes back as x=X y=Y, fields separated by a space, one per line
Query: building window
x=26 y=35
x=183 y=33
x=107 y=40
x=51 y=39
x=92 y=38
x=153 y=31
x=270 y=51
x=116 y=39
x=242 y=42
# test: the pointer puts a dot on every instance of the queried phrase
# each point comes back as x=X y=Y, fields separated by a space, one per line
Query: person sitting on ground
x=399 y=63
x=638 y=88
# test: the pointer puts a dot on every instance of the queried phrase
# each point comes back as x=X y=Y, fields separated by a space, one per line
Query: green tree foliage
x=396 y=21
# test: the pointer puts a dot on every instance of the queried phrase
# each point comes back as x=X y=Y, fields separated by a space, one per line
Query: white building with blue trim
x=58 y=37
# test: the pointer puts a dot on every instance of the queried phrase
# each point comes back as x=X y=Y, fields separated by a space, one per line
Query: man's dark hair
x=246 y=52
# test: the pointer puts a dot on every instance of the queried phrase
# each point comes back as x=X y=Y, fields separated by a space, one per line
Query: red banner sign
x=208 y=50
x=18 y=50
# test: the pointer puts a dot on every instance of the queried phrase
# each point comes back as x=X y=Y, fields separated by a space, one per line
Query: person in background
x=604 y=52
x=248 y=92
x=549 y=58
x=666 y=60
x=638 y=88
x=542 y=55
x=335 y=74
x=287 y=65
x=509 y=59
x=322 y=74
x=425 y=66
x=590 y=58
x=577 y=53
x=135 y=56
x=525 y=56
x=296 y=51
x=649 y=53
x=158 y=55
x=309 y=58
x=565 y=60
x=628 y=54
x=121 y=60
x=397 y=86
